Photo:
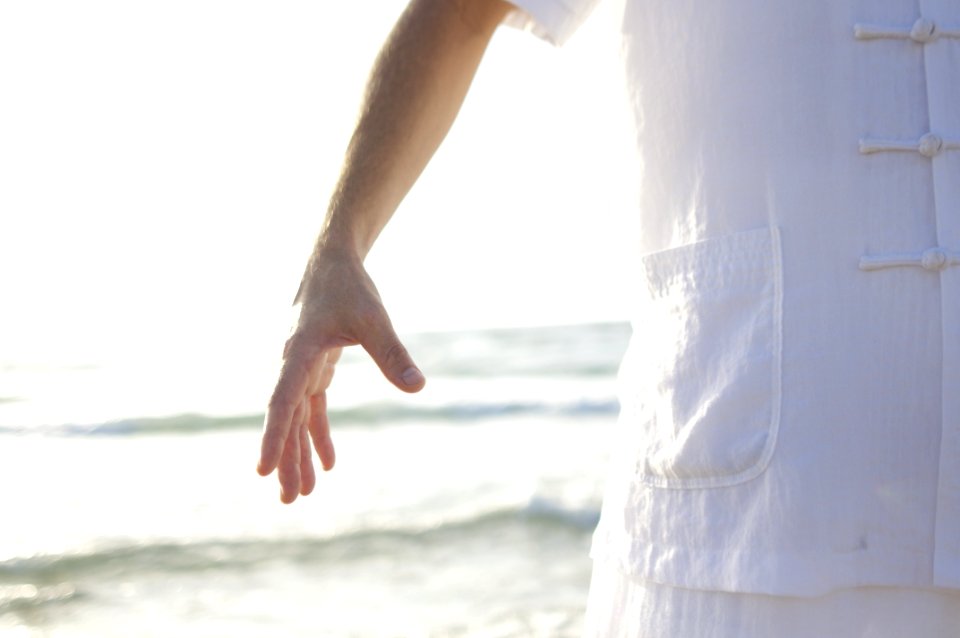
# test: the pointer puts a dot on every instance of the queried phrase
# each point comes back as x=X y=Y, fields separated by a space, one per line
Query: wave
x=396 y=412
x=17 y=597
x=369 y=414
x=48 y=577
x=188 y=423
x=584 y=350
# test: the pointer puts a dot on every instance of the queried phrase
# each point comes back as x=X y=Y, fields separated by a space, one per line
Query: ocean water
x=129 y=508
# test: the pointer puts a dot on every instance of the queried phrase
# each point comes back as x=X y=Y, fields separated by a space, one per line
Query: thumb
x=392 y=358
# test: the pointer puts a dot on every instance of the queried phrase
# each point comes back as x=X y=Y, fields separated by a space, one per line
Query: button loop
x=923 y=31
x=929 y=145
x=934 y=259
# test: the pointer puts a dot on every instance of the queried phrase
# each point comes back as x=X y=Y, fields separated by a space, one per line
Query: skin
x=413 y=96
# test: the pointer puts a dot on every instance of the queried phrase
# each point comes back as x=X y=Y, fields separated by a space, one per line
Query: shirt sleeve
x=552 y=20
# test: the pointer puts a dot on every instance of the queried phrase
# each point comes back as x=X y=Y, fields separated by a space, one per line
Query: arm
x=413 y=96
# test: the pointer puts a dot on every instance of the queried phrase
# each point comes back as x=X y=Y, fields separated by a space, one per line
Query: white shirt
x=791 y=396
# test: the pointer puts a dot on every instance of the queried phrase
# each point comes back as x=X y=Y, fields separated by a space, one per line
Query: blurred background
x=164 y=168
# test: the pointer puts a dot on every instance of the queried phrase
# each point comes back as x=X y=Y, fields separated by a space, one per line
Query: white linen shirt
x=791 y=395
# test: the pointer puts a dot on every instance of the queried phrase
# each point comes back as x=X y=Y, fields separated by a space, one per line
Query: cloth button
x=930 y=145
x=923 y=31
x=934 y=259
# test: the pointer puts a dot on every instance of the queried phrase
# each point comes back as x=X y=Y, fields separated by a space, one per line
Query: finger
x=322 y=374
x=308 y=477
x=333 y=355
x=393 y=359
x=329 y=367
x=289 y=392
x=320 y=431
x=288 y=470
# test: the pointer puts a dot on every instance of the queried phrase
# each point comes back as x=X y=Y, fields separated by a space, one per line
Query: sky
x=164 y=168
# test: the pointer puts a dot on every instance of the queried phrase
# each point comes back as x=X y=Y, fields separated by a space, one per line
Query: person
x=790 y=423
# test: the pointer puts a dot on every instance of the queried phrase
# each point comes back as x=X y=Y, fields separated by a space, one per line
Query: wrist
x=346 y=237
x=333 y=255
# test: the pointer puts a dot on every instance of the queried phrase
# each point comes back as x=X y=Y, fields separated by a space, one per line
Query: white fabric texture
x=622 y=608
x=552 y=20
x=791 y=396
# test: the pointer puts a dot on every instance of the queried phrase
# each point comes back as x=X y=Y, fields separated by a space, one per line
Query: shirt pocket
x=703 y=373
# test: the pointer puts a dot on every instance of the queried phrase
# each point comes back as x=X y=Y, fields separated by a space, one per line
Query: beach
x=465 y=510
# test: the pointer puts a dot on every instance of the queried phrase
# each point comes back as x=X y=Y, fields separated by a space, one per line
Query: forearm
x=413 y=96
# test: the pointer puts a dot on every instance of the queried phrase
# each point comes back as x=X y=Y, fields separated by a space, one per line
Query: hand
x=339 y=306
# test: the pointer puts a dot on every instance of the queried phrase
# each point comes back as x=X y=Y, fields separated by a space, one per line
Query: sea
x=128 y=508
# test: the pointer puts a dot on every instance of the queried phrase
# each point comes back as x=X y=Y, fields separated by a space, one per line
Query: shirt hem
x=801 y=574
